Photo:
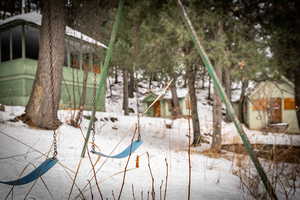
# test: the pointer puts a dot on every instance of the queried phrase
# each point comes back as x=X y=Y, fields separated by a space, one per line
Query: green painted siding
x=17 y=77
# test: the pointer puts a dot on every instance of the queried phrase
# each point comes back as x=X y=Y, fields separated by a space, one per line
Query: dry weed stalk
x=152 y=178
x=167 y=175
x=125 y=170
x=160 y=192
x=283 y=176
x=133 y=196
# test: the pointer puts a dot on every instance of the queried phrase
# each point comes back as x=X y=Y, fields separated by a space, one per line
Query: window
x=4 y=45
x=289 y=104
x=32 y=36
x=75 y=60
x=17 y=41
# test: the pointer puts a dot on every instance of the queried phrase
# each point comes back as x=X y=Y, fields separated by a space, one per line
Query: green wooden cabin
x=163 y=107
x=19 y=42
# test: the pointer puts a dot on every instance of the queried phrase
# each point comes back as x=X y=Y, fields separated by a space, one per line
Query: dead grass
x=213 y=154
x=275 y=153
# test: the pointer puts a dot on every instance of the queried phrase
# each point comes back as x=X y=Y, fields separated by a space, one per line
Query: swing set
x=50 y=162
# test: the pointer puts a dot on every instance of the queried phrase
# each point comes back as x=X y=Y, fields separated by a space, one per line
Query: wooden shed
x=271 y=106
x=19 y=48
x=163 y=107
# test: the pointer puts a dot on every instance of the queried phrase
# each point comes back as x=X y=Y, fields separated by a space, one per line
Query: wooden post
x=68 y=54
x=91 y=62
x=0 y=49
x=222 y=94
x=23 y=42
x=10 y=45
x=80 y=54
x=80 y=60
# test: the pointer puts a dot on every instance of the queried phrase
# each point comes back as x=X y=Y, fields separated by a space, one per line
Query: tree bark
x=176 y=112
x=150 y=82
x=209 y=89
x=116 y=75
x=41 y=110
x=203 y=77
x=191 y=76
x=245 y=84
x=125 y=92
x=131 y=84
x=297 y=93
x=217 y=116
x=227 y=86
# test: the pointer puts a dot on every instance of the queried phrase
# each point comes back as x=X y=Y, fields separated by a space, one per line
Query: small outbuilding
x=164 y=106
x=271 y=106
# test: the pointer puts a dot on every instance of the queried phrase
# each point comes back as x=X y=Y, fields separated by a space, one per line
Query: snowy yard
x=212 y=178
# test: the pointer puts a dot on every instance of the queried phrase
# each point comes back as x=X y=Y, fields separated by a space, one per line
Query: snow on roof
x=36 y=18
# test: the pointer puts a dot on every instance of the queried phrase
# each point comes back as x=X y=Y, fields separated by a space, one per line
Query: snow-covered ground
x=212 y=178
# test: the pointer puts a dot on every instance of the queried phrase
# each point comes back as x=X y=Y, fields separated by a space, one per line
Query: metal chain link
x=52 y=77
x=54 y=145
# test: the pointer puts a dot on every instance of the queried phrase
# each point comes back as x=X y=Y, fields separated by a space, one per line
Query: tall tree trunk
x=217 y=106
x=150 y=82
x=116 y=75
x=191 y=76
x=125 y=92
x=43 y=104
x=209 y=89
x=297 y=93
x=227 y=86
x=217 y=116
x=203 y=78
x=131 y=84
x=245 y=84
x=176 y=112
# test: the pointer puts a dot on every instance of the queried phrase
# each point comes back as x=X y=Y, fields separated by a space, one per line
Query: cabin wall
x=17 y=77
x=184 y=106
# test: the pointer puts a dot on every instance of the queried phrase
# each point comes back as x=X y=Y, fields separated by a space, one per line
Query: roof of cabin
x=276 y=83
x=36 y=18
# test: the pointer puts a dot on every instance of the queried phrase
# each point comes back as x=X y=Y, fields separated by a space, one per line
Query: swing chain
x=52 y=78
x=93 y=137
x=54 y=145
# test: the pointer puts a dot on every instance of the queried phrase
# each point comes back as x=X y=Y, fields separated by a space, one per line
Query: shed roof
x=36 y=18
x=276 y=83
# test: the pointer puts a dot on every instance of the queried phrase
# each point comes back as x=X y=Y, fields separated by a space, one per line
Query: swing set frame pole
x=222 y=94
x=104 y=74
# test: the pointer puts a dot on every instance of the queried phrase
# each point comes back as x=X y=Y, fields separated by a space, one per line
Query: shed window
x=289 y=104
x=4 y=45
x=96 y=65
x=75 y=60
x=17 y=42
x=32 y=37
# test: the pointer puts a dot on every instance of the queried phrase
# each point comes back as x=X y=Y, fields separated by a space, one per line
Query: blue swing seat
x=125 y=153
x=35 y=174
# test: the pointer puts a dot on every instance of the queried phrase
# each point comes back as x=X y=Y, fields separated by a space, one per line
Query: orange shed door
x=156 y=107
x=276 y=111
